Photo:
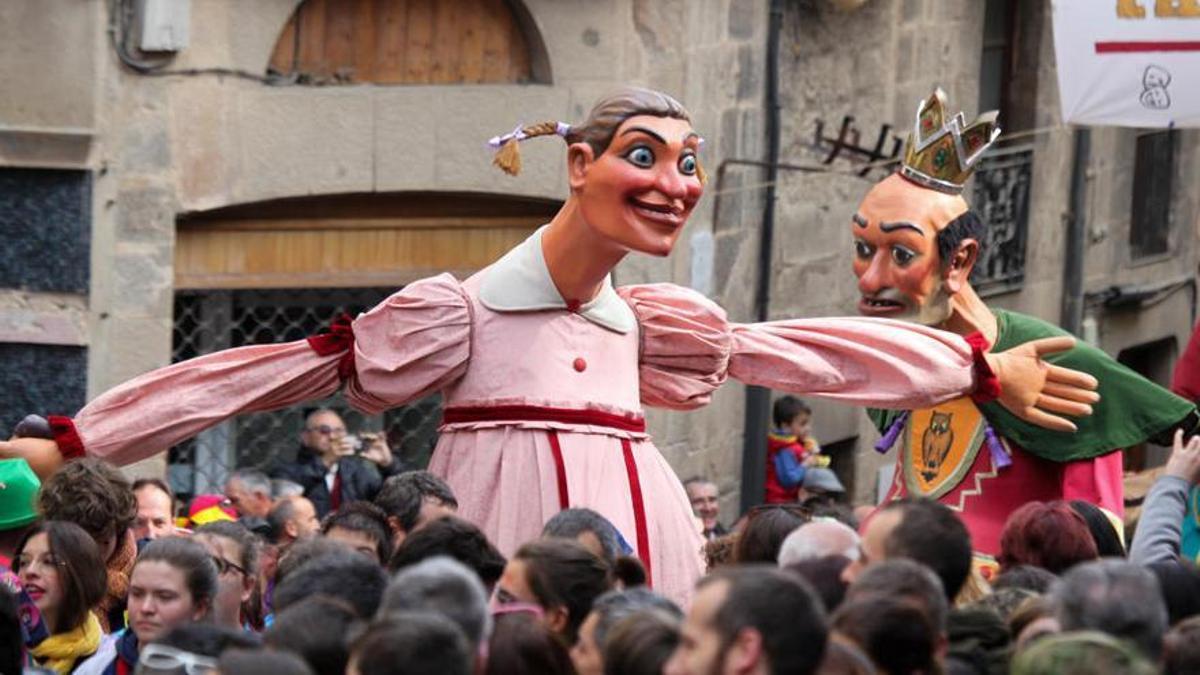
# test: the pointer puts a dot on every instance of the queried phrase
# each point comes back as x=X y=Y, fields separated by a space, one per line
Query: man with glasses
x=331 y=469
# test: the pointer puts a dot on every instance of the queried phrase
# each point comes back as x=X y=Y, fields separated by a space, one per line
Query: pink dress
x=543 y=403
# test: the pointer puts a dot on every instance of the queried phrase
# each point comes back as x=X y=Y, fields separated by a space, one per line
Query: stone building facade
x=113 y=181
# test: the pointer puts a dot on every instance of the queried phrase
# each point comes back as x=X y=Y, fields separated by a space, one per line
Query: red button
x=580 y=365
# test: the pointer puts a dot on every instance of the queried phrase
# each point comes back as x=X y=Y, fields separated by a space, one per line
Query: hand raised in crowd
x=1039 y=392
x=1185 y=458
x=375 y=448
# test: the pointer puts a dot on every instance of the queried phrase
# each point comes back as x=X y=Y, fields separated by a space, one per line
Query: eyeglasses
x=223 y=566
x=518 y=608
x=326 y=429
x=164 y=658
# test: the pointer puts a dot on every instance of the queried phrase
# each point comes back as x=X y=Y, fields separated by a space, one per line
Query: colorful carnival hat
x=18 y=492
x=207 y=509
x=942 y=151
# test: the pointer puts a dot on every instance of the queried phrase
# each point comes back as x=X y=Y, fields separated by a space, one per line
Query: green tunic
x=1132 y=409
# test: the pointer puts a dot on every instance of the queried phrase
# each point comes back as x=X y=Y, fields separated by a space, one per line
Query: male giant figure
x=916 y=241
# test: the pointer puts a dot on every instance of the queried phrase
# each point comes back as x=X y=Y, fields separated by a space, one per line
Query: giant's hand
x=1039 y=392
x=41 y=453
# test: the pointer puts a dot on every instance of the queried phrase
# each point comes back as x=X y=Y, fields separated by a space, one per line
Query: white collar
x=520 y=282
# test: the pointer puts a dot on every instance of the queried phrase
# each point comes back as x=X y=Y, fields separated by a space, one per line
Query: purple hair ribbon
x=1000 y=456
x=889 y=439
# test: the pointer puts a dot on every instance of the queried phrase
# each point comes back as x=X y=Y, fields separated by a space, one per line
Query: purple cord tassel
x=889 y=439
x=1000 y=457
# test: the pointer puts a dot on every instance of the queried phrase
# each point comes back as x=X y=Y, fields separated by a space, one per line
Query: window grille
x=1153 y=174
x=1001 y=197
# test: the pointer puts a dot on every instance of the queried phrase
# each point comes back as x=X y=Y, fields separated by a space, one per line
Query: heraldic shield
x=940 y=445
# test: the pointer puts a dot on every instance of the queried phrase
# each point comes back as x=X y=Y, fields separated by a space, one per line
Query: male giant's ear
x=579 y=159
x=962 y=261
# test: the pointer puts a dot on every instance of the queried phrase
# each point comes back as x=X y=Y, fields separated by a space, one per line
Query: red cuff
x=987 y=385
x=340 y=338
x=70 y=445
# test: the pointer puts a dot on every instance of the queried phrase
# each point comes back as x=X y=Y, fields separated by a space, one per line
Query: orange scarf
x=119 y=567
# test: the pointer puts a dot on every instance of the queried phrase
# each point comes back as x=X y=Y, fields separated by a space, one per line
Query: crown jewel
x=941 y=152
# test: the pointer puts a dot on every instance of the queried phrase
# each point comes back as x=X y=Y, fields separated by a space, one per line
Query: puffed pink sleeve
x=689 y=348
x=413 y=343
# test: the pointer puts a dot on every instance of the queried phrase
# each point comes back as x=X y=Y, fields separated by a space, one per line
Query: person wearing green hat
x=18 y=509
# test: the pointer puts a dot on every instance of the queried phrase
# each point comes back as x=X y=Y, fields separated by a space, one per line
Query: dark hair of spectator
x=81 y=570
x=258 y=661
x=1108 y=542
x=1116 y=597
x=443 y=586
x=782 y=608
x=1004 y=601
x=247 y=542
x=824 y=575
x=845 y=658
x=1181 y=648
x=521 y=645
x=907 y=580
x=1037 y=607
x=348 y=575
x=207 y=639
x=629 y=571
x=412 y=643
x=931 y=534
x=158 y=484
x=562 y=573
x=455 y=538
x=766 y=528
x=828 y=506
x=12 y=653
x=315 y=629
x=641 y=644
x=278 y=518
x=614 y=607
x=1180 y=583
x=365 y=518
x=92 y=494
x=190 y=558
x=571 y=523
x=1029 y=577
x=1050 y=535
x=402 y=496
x=894 y=633
x=302 y=552
x=787 y=408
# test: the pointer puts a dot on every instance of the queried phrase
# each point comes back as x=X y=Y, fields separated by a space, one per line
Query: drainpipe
x=1072 y=302
x=758 y=399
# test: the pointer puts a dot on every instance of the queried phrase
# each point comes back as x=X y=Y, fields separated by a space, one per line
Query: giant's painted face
x=640 y=192
x=896 y=260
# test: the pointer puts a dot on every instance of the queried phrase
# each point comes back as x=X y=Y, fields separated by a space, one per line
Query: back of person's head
x=766 y=528
x=1179 y=580
x=259 y=661
x=1115 y=597
x=818 y=539
x=824 y=575
x=403 y=495
x=443 y=586
x=454 y=538
x=933 y=535
x=282 y=488
x=641 y=643
x=253 y=480
x=779 y=607
x=315 y=629
x=348 y=575
x=303 y=552
x=1181 y=648
x=191 y=559
x=279 y=516
x=1004 y=601
x=845 y=658
x=1028 y=577
x=563 y=574
x=1081 y=653
x=207 y=639
x=82 y=579
x=907 y=580
x=1104 y=530
x=579 y=522
x=786 y=409
x=614 y=606
x=248 y=543
x=365 y=519
x=12 y=648
x=522 y=645
x=412 y=643
x=895 y=633
x=92 y=494
x=1050 y=535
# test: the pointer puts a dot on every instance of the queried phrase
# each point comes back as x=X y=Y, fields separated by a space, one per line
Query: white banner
x=1132 y=63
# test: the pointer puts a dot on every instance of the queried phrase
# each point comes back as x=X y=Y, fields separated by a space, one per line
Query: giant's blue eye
x=687 y=165
x=640 y=156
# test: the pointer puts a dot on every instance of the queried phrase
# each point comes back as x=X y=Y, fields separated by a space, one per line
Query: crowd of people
x=100 y=578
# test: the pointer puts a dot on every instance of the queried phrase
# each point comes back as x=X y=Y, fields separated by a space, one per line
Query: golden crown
x=942 y=151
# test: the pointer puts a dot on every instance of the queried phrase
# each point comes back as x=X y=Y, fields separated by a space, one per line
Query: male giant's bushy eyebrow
x=859 y=220
x=901 y=225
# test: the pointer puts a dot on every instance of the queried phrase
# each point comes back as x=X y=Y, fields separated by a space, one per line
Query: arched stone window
x=411 y=42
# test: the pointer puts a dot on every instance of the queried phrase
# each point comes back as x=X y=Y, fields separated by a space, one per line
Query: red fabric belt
x=533 y=413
